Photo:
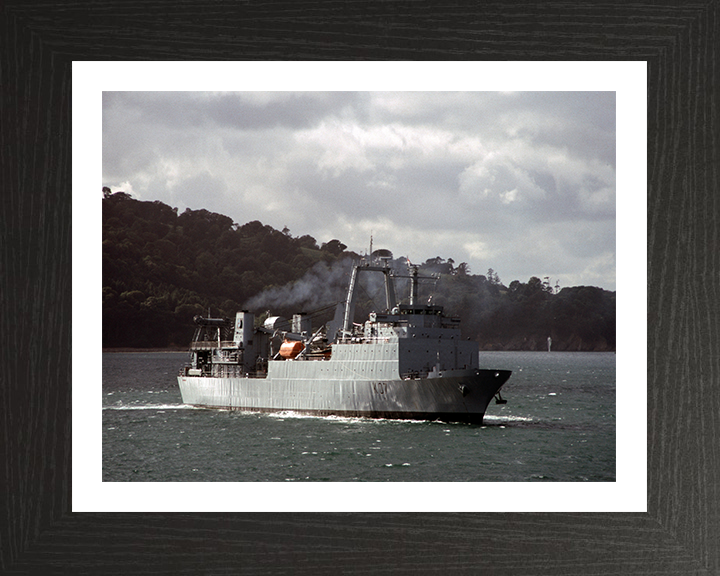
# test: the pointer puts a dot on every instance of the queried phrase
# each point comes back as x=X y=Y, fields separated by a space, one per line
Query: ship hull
x=450 y=396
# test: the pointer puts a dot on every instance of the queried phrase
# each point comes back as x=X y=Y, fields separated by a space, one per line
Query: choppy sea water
x=558 y=425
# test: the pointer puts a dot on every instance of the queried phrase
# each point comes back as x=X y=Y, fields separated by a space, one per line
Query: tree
x=492 y=277
x=534 y=285
x=334 y=247
x=307 y=241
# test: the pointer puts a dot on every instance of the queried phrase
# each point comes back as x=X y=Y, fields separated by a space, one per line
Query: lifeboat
x=289 y=349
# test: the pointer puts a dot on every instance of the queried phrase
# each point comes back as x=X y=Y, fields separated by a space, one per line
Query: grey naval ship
x=407 y=362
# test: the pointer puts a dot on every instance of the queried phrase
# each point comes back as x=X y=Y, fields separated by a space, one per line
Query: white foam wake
x=151 y=407
x=493 y=418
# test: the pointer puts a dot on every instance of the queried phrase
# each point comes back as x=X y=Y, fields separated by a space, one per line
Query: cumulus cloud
x=523 y=183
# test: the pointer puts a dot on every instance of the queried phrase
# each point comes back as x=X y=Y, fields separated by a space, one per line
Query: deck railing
x=212 y=345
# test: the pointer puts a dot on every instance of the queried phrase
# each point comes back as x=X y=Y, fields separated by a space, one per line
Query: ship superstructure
x=408 y=361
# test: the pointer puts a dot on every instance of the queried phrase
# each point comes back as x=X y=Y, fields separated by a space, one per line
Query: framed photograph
x=62 y=517
x=487 y=166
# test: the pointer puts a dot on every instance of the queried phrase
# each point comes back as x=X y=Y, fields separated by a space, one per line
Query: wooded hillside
x=161 y=268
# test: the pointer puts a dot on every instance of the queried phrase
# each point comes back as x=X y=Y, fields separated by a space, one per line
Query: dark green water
x=558 y=425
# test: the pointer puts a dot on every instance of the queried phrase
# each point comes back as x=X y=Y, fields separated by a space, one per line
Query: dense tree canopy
x=161 y=268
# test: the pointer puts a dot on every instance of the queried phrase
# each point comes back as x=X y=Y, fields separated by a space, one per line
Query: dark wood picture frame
x=680 y=533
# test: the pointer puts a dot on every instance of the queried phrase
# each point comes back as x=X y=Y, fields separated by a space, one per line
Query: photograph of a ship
x=408 y=361
x=253 y=330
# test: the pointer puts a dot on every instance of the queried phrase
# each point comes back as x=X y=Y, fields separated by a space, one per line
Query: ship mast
x=413 y=285
x=350 y=304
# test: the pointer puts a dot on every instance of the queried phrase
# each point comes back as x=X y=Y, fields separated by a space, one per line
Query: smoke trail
x=326 y=284
x=322 y=285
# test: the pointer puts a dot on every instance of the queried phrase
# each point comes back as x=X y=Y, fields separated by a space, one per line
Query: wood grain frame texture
x=680 y=533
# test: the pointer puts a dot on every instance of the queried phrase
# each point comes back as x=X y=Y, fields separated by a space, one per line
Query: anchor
x=499 y=399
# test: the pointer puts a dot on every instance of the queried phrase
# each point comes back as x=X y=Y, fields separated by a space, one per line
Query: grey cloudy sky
x=521 y=182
